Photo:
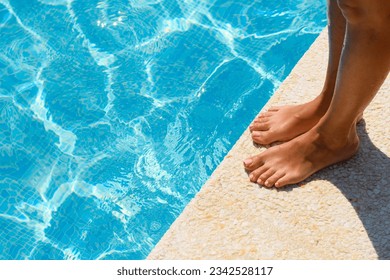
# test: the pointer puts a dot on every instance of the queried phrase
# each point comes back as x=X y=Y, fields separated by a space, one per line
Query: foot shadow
x=364 y=181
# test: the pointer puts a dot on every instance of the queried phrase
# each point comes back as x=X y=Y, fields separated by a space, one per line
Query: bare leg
x=285 y=123
x=364 y=65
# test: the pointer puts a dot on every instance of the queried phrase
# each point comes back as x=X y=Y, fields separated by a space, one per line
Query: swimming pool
x=115 y=113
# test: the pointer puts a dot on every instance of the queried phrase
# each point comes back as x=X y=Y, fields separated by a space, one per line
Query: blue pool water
x=113 y=114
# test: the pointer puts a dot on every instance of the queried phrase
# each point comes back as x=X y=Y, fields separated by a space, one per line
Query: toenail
x=251 y=176
x=256 y=133
x=248 y=161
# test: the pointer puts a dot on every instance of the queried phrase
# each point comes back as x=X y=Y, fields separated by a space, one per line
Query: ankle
x=336 y=139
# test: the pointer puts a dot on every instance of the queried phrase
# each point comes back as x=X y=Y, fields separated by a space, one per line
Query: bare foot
x=286 y=122
x=294 y=161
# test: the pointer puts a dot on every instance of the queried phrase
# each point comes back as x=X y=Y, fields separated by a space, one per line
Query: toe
x=285 y=180
x=260 y=119
x=255 y=174
x=273 y=109
x=258 y=137
x=263 y=178
x=262 y=126
x=270 y=182
x=262 y=137
x=253 y=163
x=264 y=115
x=252 y=177
x=258 y=124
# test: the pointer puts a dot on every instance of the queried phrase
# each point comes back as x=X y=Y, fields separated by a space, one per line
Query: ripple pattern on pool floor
x=114 y=113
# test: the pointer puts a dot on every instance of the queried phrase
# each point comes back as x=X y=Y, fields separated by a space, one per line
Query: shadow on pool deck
x=364 y=182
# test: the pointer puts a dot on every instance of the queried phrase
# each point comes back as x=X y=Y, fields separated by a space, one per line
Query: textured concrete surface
x=342 y=212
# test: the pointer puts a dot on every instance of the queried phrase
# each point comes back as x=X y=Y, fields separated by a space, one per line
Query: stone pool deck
x=342 y=212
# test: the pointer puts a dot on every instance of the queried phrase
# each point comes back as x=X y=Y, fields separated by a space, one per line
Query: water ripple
x=114 y=113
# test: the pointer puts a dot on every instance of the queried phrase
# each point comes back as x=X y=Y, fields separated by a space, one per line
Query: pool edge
x=231 y=218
